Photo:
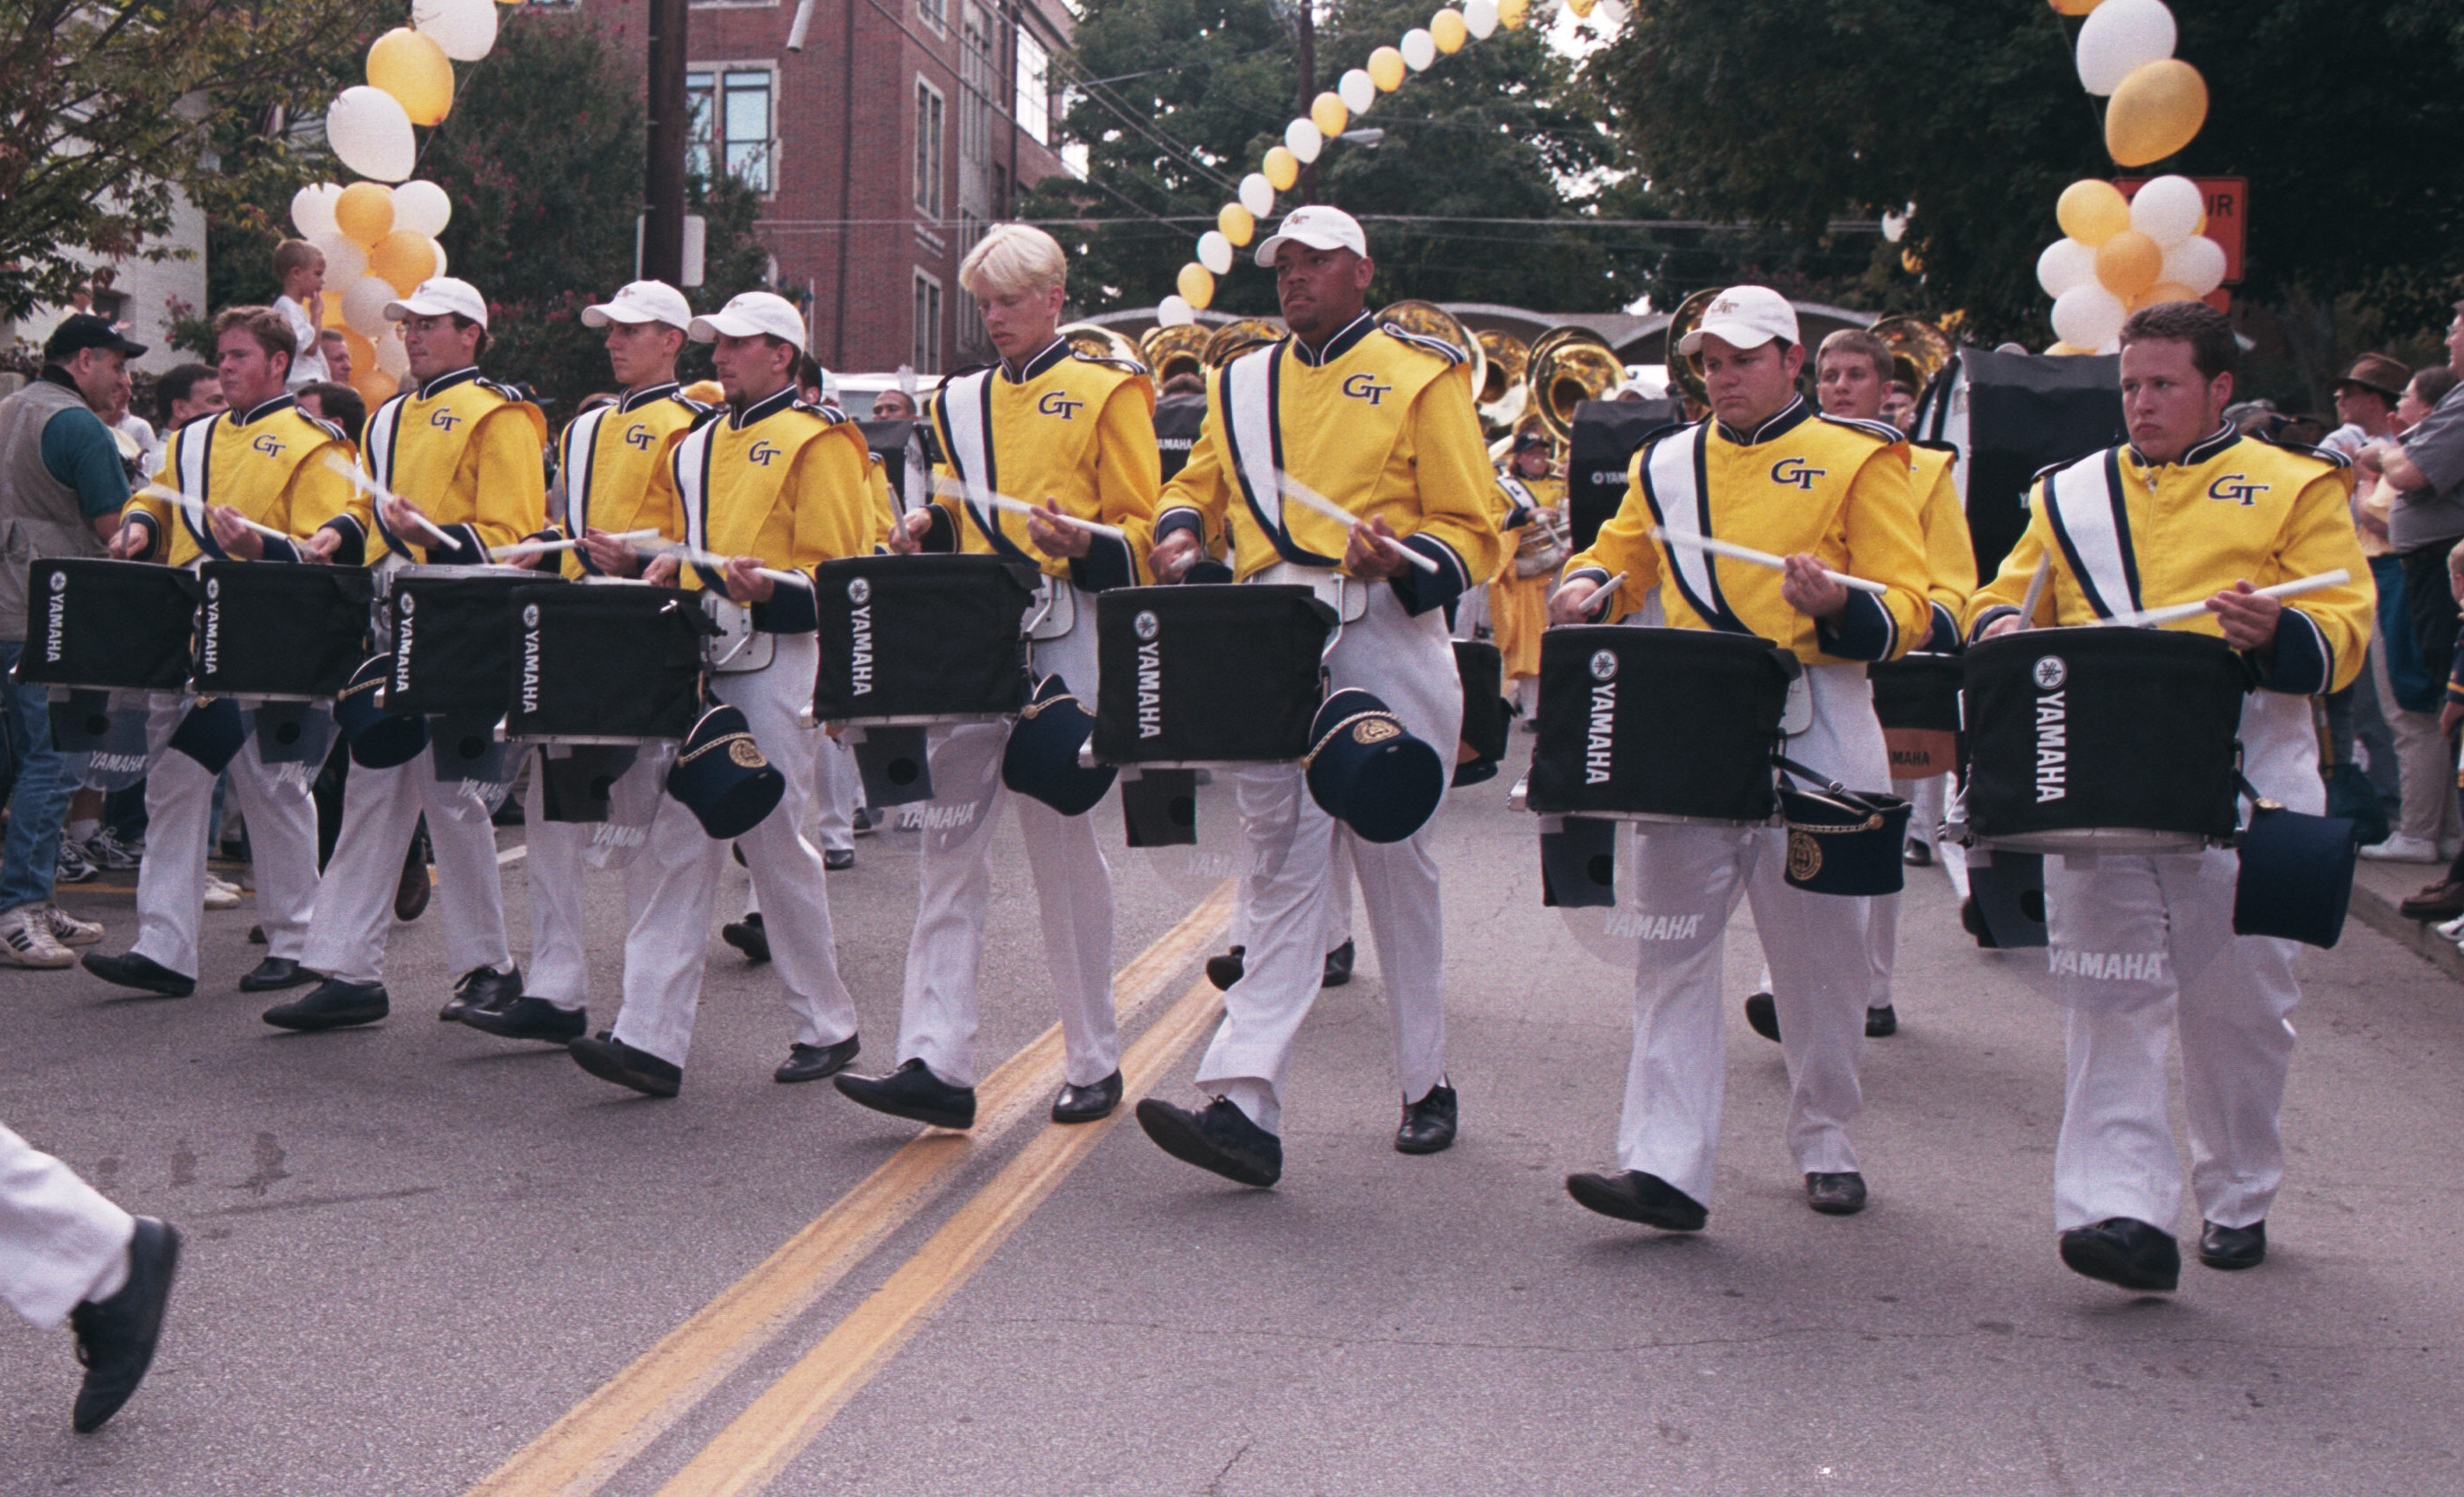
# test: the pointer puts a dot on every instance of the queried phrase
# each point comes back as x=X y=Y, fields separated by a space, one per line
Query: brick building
x=881 y=150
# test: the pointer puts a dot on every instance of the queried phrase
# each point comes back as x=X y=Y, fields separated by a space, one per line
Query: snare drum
x=920 y=639
x=110 y=625
x=1658 y=724
x=604 y=662
x=1917 y=698
x=1207 y=673
x=454 y=639
x=2085 y=741
x=280 y=631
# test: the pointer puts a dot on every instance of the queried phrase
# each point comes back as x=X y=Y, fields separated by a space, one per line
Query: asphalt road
x=425 y=1262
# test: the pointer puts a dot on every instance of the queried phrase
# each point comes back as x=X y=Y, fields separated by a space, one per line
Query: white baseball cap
x=1743 y=316
x=642 y=301
x=437 y=296
x=748 y=314
x=1320 y=227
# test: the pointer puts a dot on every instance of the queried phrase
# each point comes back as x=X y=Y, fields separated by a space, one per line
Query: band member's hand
x=745 y=583
x=616 y=557
x=2249 y=619
x=662 y=569
x=129 y=541
x=232 y=536
x=2007 y=624
x=1055 y=539
x=1374 y=551
x=1174 y=555
x=405 y=518
x=1572 y=604
x=320 y=546
x=906 y=537
x=1806 y=587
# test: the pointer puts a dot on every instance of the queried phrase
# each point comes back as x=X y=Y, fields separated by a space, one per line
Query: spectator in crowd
x=1899 y=406
x=339 y=404
x=336 y=349
x=190 y=390
x=300 y=267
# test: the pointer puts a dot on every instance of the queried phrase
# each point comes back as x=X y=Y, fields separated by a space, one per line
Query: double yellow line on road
x=581 y=1452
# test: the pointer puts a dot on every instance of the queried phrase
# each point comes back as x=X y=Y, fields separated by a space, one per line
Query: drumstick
x=1333 y=511
x=712 y=561
x=1737 y=553
x=1598 y=601
x=379 y=493
x=951 y=488
x=542 y=547
x=197 y=507
x=2191 y=610
x=2035 y=590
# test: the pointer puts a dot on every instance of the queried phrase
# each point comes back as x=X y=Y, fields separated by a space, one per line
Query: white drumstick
x=2191 y=610
x=1295 y=489
x=1598 y=601
x=543 y=547
x=951 y=488
x=711 y=562
x=2035 y=590
x=1737 y=553
x=379 y=493
x=196 y=508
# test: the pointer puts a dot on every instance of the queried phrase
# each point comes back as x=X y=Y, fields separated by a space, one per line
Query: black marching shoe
x=1636 y=1196
x=275 y=974
x=914 y=1092
x=2231 y=1247
x=1428 y=1124
x=1088 y=1104
x=816 y=1062
x=1880 y=1023
x=1917 y=854
x=1840 y=1194
x=1222 y=1139
x=531 y=1019
x=610 y=1058
x=749 y=937
x=1224 y=969
x=481 y=987
x=1338 y=966
x=116 y=1338
x=2124 y=1251
x=331 y=1004
x=142 y=973
x=1762 y=1015
x=837 y=860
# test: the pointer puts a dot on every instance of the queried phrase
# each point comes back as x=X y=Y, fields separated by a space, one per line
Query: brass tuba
x=1239 y=337
x=1432 y=321
x=1102 y=342
x=1167 y=351
x=1682 y=377
x=1569 y=366
x=1502 y=394
x=1919 y=349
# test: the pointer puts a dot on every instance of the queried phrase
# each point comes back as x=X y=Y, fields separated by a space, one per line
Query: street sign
x=2228 y=215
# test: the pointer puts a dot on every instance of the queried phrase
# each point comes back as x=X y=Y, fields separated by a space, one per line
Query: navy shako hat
x=1042 y=757
x=723 y=778
x=2296 y=876
x=1366 y=770
x=211 y=734
x=1842 y=841
x=379 y=739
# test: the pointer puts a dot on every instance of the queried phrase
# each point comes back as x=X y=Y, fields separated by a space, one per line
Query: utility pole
x=663 y=227
x=1305 y=62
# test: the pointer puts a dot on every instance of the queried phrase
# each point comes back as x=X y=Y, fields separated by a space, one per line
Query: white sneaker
x=25 y=938
x=221 y=894
x=2401 y=848
x=69 y=931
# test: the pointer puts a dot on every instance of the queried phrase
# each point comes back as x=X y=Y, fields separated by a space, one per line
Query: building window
x=929 y=122
x=971 y=336
x=976 y=74
x=936 y=14
x=731 y=111
x=926 y=355
x=1034 y=93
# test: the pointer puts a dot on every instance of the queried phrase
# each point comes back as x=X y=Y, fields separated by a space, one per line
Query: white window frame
x=715 y=148
x=924 y=348
x=936 y=14
x=1034 y=87
x=931 y=159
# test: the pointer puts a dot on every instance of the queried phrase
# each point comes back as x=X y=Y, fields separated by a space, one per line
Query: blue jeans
x=39 y=802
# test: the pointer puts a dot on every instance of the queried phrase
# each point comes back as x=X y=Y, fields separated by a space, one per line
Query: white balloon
x=2089 y=315
x=364 y=305
x=438 y=245
x=1303 y=138
x=1257 y=195
x=1419 y=49
x=466 y=28
x=392 y=358
x=345 y=261
x=1895 y=226
x=2120 y=35
x=2197 y=262
x=1215 y=253
x=1357 y=90
x=421 y=208
x=369 y=132
x=2065 y=263
x=1479 y=18
x=1174 y=312
x=311 y=209
x=2168 y=210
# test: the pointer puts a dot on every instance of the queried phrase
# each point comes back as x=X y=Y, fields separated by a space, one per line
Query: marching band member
x=1518 y=602
x=767 y=482
x=613 y=476
x=2187 y=506
x=1075 y=433
x=461 y=454
x=1765 y=471
x=262 y=459
x=1371 y=418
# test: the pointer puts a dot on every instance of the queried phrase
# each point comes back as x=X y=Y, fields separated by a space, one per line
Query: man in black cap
x=61 y=487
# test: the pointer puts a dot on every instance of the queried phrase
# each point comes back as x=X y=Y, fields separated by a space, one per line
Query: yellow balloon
x=2065 y=350
x=1514 y=14
x=403 y=259
x=415 y=71
x=2092 y=211
x=2074 y=7
x=374 y=384
x=1327 y=113
x=1446 y=29
x=364 y=354
x=2156 y=111
x=2128 y=263
x=1196 y=285
x=1386 y=69
x=1281 y=168
x=1236 y=224
x=334 y=313
x=2162 y=292
x=365 y=211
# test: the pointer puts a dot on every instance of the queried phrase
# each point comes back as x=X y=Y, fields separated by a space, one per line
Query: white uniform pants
x=1073 y=891
x=671 y=885
x=1924 y=798
x=560 y=967
x=1408 y=663
x=61 y=1240
x=171 y=881
x=2227 y=997
x=1691 y=878
x=380 y=810
x=836 y=788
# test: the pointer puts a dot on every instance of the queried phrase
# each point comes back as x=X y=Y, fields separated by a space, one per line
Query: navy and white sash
x=1675 y=488
x=1252 y=429
x=580 y=465
x=966 y=406
x=2084 y=504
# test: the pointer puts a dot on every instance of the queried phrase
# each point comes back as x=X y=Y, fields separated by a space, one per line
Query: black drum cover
x=1920 y=692
x=280 y=629
x=2077 y=728
x=1482 y=671
x=921 y=636
x=605 y=661
x=1658 y=722
x=453 y=643
x=108 y=623
x=1207 y=675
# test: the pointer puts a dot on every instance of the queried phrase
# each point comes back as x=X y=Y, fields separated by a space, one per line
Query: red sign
x=2228 y=215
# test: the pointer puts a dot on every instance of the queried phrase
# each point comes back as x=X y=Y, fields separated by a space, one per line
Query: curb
x=2380 y=913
